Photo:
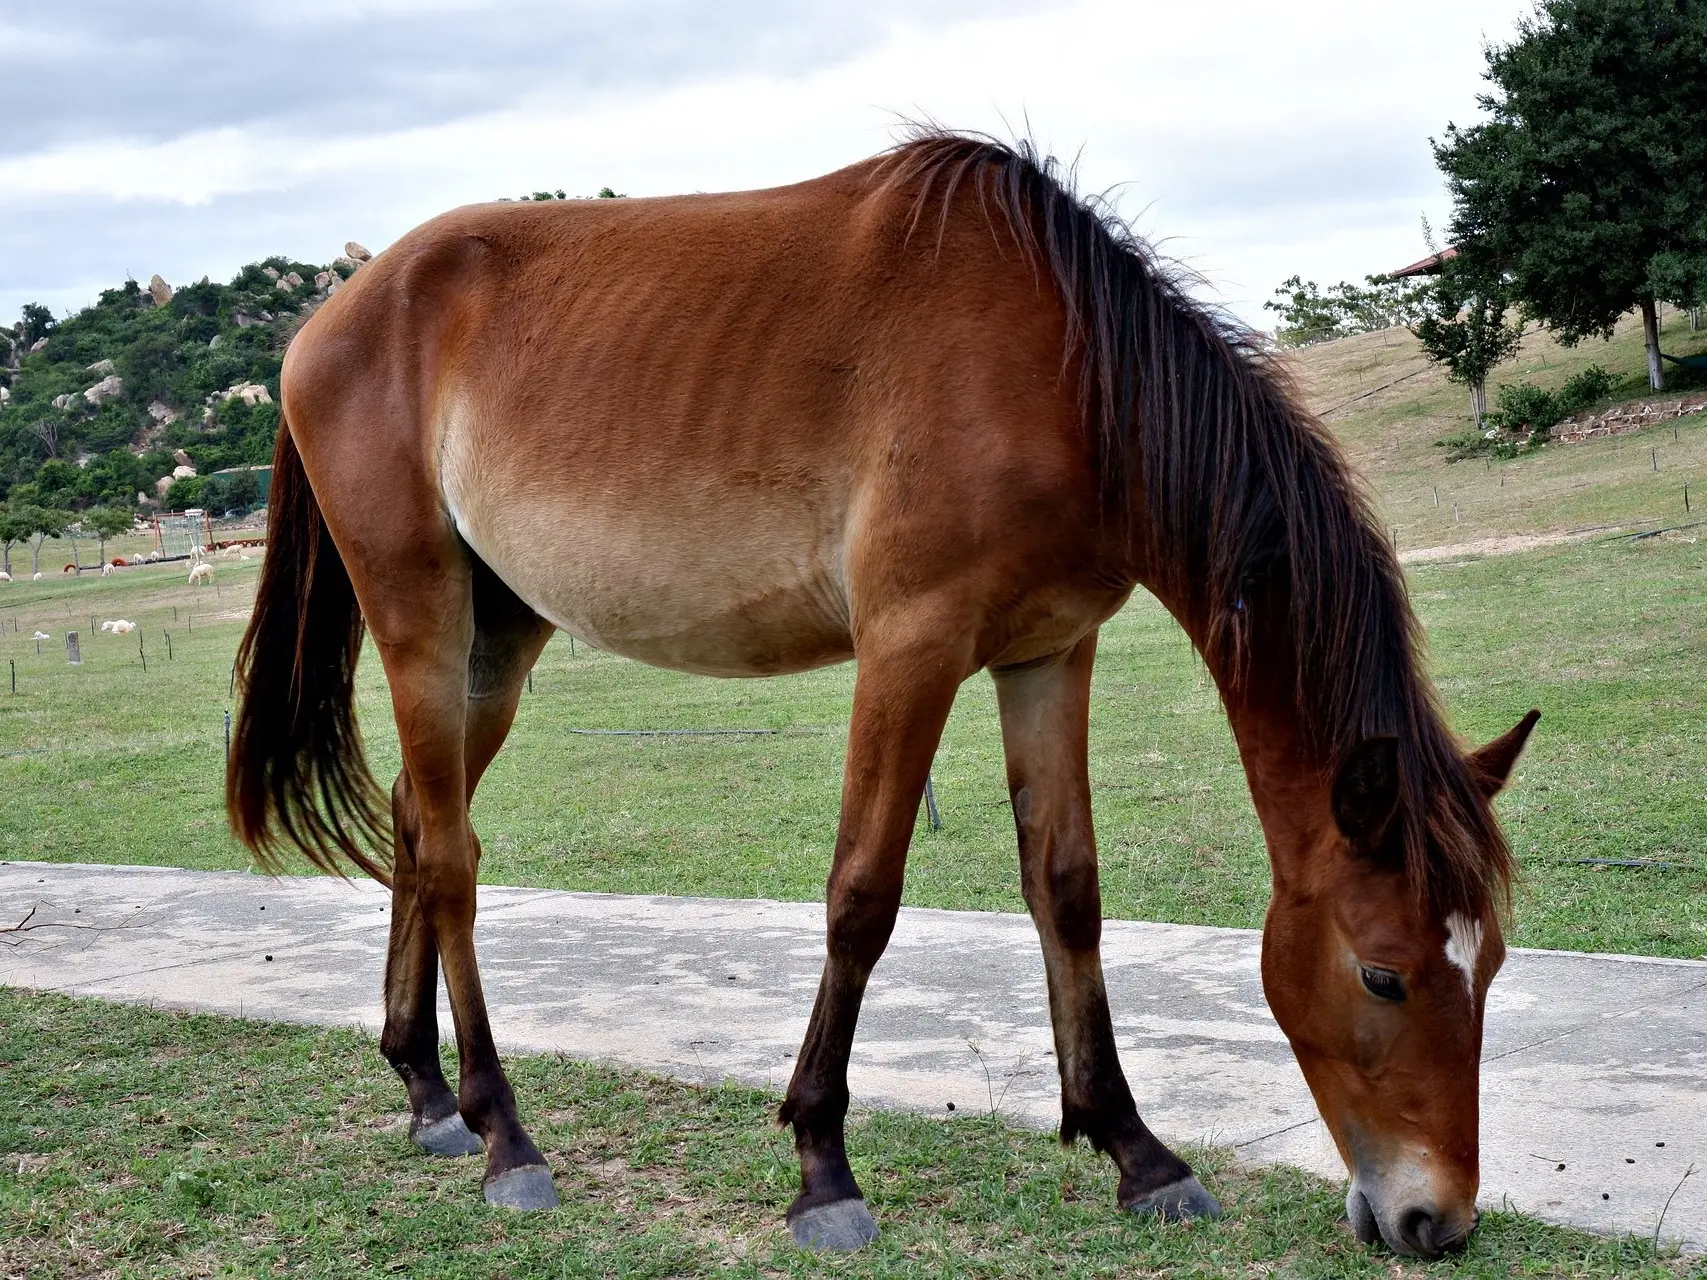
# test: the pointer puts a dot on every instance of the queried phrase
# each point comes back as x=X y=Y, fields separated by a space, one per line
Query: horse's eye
x=1383 y=983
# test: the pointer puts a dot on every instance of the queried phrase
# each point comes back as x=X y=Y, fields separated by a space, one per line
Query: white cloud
x=1255 y=140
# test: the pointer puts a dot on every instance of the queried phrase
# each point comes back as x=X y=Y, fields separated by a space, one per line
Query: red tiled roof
x=1428 y=266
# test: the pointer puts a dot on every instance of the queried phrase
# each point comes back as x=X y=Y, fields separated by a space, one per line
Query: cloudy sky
x=186 y=137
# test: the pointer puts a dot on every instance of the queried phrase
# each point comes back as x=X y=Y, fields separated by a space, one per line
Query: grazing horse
x=936 y=414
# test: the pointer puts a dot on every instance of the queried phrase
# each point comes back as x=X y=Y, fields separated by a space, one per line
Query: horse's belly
x=731 y=597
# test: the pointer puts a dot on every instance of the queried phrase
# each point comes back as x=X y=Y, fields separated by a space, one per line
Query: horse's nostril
x=1417 y=1233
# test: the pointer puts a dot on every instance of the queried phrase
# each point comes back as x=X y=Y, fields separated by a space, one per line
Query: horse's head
x=1381 y=991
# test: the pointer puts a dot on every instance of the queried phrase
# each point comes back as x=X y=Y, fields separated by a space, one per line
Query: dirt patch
x=1506 y=545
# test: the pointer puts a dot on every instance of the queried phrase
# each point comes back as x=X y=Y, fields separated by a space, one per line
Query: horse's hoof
x=446 y=1136
x=841 y=1225
x=1178 y=1202
x=526 y=1187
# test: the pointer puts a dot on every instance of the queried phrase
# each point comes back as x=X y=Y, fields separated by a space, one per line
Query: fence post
x=930 y=805
x=73 y=654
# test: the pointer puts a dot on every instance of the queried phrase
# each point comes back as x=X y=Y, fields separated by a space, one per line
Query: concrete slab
x=1598 y=1063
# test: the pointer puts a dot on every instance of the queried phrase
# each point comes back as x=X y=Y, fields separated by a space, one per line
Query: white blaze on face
x=1464 y=945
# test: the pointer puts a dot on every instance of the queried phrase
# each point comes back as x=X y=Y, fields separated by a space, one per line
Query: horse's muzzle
x=1417 y=1231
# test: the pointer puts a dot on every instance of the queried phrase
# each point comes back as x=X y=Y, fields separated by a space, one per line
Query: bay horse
x=937 y=414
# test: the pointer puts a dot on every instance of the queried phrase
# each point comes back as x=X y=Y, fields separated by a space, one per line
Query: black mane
x=1245 y=497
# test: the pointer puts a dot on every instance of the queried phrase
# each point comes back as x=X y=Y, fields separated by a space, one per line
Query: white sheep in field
x=6 y=577
x=37 y=576
x=41 y=635
x=201 y=573
x=106 y=571
x=119 y=627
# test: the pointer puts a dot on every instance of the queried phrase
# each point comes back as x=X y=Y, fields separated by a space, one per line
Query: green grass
x=149 y=1144
x=106 y=763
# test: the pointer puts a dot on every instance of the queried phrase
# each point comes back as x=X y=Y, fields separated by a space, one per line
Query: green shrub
x=1525 y=407
x=1590 y=386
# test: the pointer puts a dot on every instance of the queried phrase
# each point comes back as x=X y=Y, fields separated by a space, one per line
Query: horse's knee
x=1075 y=903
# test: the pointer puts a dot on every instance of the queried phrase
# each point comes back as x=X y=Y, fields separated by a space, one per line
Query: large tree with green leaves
x=1586 y=187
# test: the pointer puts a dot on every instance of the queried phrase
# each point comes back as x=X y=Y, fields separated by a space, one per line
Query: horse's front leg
x=902 y=698
x=1045 y=712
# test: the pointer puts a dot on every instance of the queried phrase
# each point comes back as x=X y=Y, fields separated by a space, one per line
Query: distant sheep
x=41 y=635
x=36 y=577
x=106 y=571
x=4 y=576
x=119 y=627
x=201 y=573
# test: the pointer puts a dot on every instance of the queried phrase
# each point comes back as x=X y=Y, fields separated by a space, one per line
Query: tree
x=1309 y=316
x=1586 y=185
x=1464 y=327
x=37 y=323
x=107 y=522
x=14 y=528
x=44 y=523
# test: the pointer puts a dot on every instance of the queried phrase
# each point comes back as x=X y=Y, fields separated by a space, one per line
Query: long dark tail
x=297 y=775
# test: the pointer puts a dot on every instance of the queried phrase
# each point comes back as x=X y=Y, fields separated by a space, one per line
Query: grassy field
x=150 y=1144
x=107 y=762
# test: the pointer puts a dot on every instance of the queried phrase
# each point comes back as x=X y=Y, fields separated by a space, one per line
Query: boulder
x=181 y=458
x=159 y=290
x=214 y=341
x=292 y=279
x=5 y=394
x=161 y=485
x=346 y=262
x=162 y=412
x=272 y=273
x=245 y=320
x=102 y=367
x=356 y=251
x=250 y=393
x=183 y=472
x=105 y=389
x=65 y=401
x=323 y=278
x=38 y=344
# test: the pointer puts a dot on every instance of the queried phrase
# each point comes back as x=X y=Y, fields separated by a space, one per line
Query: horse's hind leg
x=508 y=637
x=1045 y=723
x=452 y=711
x=410 y=1041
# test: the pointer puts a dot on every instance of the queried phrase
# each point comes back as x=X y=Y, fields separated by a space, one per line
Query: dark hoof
x=1178 y=1202
x=842 y=1225
x=527 y=1187
x=446 y=1136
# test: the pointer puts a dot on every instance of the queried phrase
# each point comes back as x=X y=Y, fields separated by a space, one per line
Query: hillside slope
x=1389 y=406
x=93 y=407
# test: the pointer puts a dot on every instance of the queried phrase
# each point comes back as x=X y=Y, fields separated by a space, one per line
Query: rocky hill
x=102 y=407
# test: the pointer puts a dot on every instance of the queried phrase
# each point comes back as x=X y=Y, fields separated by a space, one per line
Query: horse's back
x=679 y=427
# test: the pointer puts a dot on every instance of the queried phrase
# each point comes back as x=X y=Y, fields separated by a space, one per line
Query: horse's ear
x=1491 y=765
x=1366 y=792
